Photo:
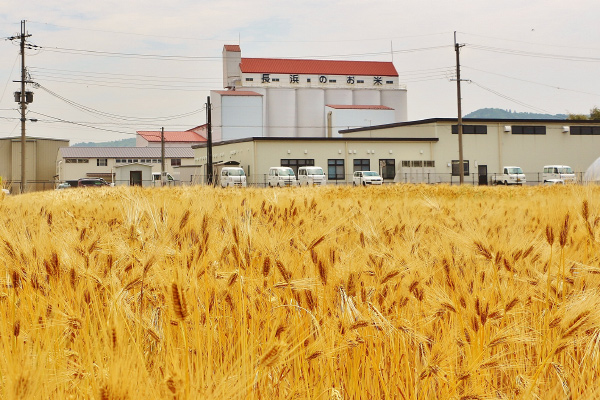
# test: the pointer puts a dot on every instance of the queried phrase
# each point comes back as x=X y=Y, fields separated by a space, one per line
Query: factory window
x=175 y=162
x=429 y=164
x=387 y=168
x=528 y=130
x=77 y=160
x=416 y=164
x=456 y=172
x=332 y=80
x=307 y=79
x=584 y=130
x=471 y=129
x=389 y=82
x=249 y=79
x=295 y=163
x=101 y=162
x=360 y=81
x=275 y=79
x=335 y=169
x=362 y=164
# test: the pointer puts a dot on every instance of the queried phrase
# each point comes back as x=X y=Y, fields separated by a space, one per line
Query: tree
x=595 y=113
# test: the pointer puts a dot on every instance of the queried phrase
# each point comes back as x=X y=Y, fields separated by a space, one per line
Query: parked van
x=509 y=176
x=563 y=172
x=156 y=181
x=311 y=176
x=281 y=176
x=232 y=176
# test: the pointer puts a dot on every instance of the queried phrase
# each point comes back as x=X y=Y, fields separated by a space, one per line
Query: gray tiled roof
x=125 y=152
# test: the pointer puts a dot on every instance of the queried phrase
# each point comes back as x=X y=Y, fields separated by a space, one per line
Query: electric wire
x=509 y=98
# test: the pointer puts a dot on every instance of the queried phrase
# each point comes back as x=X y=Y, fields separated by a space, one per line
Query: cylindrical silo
x=338 y=97
x=281 y=112
x=366 y=97
x=310 y=104
x=396 y=99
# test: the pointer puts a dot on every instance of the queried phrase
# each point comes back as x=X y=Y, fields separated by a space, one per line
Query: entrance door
x=482 y=173
x=135 y=178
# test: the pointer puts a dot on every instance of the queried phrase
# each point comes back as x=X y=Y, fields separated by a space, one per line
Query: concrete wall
x=240 y=117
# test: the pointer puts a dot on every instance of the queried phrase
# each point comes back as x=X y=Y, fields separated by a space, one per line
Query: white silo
x=395 y=99
x=338 y=97
x=366 y=97
x=281 y=112
x=309 y=107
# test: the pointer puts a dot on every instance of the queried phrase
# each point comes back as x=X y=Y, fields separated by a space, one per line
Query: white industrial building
x=73 y=163
x=270 y=97
x=422 y=151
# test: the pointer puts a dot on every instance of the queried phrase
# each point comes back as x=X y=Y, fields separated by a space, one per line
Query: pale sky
x=110 y=68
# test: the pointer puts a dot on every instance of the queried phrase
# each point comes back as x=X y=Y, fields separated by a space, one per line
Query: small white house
x=135 y=174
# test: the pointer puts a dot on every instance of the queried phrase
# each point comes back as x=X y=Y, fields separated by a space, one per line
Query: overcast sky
x=109 y=68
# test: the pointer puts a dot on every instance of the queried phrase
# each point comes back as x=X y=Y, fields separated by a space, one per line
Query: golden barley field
x=396 y=292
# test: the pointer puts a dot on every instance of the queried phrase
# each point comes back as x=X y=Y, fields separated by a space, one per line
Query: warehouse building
x=422 y=151
x=40 y=162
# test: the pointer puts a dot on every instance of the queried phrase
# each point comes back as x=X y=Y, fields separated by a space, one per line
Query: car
x=311 y=176
x=93 y=182
x=549 y=182
x=282 y=176
x=364 y=178
x=232 y=177
x=63 y=185
x=560 y=172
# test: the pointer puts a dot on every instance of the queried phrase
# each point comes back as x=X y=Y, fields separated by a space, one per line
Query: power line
x=509 y=98
x=532 y=54
x=533 y=82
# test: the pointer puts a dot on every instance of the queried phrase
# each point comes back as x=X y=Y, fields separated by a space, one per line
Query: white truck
x=554 y=173
x=311 y=176
x=510 y=176
x=231 y=177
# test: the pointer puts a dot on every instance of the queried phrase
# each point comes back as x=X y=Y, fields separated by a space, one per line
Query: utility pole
x=162 y=156
x=23 y=104
x=209 y=166
x=461 y=166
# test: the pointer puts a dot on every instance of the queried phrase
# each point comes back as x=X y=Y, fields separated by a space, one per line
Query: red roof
x=172 y=136
x=236 y=93
x=317 y=67
x=357 y=107
x=232 y=47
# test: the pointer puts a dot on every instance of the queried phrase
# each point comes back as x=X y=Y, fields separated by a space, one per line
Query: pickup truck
x=509 y=176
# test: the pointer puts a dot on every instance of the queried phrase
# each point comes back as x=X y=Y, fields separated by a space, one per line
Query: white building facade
x=301 y=98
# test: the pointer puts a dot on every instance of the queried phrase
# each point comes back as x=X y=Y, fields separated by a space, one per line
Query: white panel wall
x=216 y=116
x=241 y=117
x=281 y=112
x=357 y=118
x=310 y=104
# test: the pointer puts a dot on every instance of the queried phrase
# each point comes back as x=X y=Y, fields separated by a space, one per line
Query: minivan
x=157 y=181
x=563 y=172
x=232 y=176
x=281 y=176
x=311 y=176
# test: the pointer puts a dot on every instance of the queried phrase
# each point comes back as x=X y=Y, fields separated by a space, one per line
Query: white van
x=281 y=176
x=156 y=181
x=232 y=176
x=563 y=172
x=311 y=176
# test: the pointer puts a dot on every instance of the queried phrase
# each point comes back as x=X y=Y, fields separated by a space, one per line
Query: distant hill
x=115 y=143
x=498 y=113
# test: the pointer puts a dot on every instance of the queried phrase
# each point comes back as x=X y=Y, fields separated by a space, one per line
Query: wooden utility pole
x=23 y=104
x=461 y=166
x=209 y=164
x=162 y=156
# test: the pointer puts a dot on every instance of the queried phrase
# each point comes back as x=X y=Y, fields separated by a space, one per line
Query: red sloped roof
x=172 y=136
x=317 y=67
x=358 y=107
x=232 y=47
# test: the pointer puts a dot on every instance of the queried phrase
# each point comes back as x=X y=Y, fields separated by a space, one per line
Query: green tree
x=595 y=113
x=577 y=117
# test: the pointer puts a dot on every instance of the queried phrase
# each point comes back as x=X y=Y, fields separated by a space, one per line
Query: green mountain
x=115 y=143
x=497 y=113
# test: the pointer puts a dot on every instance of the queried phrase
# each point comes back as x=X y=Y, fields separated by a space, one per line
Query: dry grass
x=399 y=292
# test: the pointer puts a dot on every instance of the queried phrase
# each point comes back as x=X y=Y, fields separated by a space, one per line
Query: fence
x=261 y=180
